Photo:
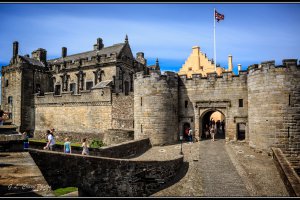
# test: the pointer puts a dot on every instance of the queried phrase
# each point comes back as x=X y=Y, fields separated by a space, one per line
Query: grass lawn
x=62 y=191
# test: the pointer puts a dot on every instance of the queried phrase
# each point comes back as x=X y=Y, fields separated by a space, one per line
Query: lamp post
x=181 y=138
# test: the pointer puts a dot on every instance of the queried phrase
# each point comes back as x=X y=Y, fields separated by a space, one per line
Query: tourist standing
x=67 y=146
x=190 y=135
x=85 y=147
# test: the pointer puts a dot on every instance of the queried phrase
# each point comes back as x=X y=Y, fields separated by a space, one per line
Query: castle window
x=57 y=90
x=6 y=82
x=73 y=87
x=141 y=128
x=289 y=99
x=241 y=103
x=186 y=104
x=141 y=101
x=10 y=100
x=89 y=85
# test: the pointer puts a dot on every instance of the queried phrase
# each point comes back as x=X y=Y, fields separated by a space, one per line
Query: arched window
x=10 y=100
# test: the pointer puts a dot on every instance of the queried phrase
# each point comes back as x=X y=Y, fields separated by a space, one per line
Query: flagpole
x=215 y=58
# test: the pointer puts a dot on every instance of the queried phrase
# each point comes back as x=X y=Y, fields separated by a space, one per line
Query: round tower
x=273 y=103
x=156 y=108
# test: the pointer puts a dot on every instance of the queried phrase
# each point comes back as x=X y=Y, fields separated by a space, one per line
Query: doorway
x=186 y=127
x=241 y=127
x=213 y=118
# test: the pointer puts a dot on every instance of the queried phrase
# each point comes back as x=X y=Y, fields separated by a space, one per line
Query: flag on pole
x=218 y=16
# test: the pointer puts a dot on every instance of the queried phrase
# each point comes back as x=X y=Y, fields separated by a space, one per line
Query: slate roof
x=116 y=48
x=102 y=84
x=33 y=61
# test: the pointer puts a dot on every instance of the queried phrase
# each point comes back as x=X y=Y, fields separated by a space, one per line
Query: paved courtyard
x=221 y=170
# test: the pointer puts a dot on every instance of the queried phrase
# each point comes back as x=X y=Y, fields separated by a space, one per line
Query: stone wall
x=126 y=149
x=156 y=108
x=213 y=93
x=100 y=177
x=85 y=113
x=122 y=111
x=273 y=94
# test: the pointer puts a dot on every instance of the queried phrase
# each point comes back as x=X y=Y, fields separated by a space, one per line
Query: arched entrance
x=184 y=128
x=213 y=118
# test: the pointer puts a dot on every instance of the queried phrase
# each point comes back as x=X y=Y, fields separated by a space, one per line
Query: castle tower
x=156 y=108
x=273 y=104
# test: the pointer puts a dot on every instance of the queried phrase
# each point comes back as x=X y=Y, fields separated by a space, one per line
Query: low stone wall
x=116 y=136
x=287 y=173
x=123 y=150
x=100 y=177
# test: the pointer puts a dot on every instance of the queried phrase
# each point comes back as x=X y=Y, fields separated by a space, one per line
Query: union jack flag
x=219 y=16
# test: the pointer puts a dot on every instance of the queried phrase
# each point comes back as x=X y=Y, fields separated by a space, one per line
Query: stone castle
x=108 y=93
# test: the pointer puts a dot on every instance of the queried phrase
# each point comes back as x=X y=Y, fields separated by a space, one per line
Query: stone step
x=7 y=122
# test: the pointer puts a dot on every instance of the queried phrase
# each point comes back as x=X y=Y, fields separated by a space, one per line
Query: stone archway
x=213 y=117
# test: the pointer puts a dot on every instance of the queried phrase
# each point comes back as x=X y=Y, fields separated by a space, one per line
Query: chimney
x=64 y=52
x=15 y=49
x=230 y=63
x=99 y=44
x=239 y=67
x=40 y=55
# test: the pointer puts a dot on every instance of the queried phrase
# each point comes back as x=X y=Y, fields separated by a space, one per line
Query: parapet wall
x=156 y=108
x=100 y=176
x=274 y=106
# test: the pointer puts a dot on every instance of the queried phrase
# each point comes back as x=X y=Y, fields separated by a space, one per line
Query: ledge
x=287 y=173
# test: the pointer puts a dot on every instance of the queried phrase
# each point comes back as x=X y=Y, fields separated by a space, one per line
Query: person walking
x=67 y=146
x=213 y=132
x=51 y=141
x=85 y=147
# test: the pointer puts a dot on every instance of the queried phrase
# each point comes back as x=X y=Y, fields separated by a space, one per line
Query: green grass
x=62 y=191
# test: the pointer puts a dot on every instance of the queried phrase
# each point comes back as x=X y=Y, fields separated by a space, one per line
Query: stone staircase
x=10 y=139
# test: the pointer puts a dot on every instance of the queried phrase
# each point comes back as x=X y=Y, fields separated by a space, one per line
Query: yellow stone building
x=198 y=63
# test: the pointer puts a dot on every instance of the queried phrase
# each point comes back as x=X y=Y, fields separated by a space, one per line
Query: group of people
x=188 y=134
x=213 y=128
x=67 y=144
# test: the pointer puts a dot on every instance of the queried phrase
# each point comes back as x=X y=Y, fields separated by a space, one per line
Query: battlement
x=83 y=62
x=213 y=76
x=95 y=96
x=290 y=64
x=168 y=75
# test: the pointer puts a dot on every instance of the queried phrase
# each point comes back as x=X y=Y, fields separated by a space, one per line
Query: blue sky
x=251 y=33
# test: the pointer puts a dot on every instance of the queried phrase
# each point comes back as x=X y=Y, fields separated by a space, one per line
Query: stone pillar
x=230 y=63
x=197 y=123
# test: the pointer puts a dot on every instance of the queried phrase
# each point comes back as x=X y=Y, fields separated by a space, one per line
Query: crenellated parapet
x=95 y=96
